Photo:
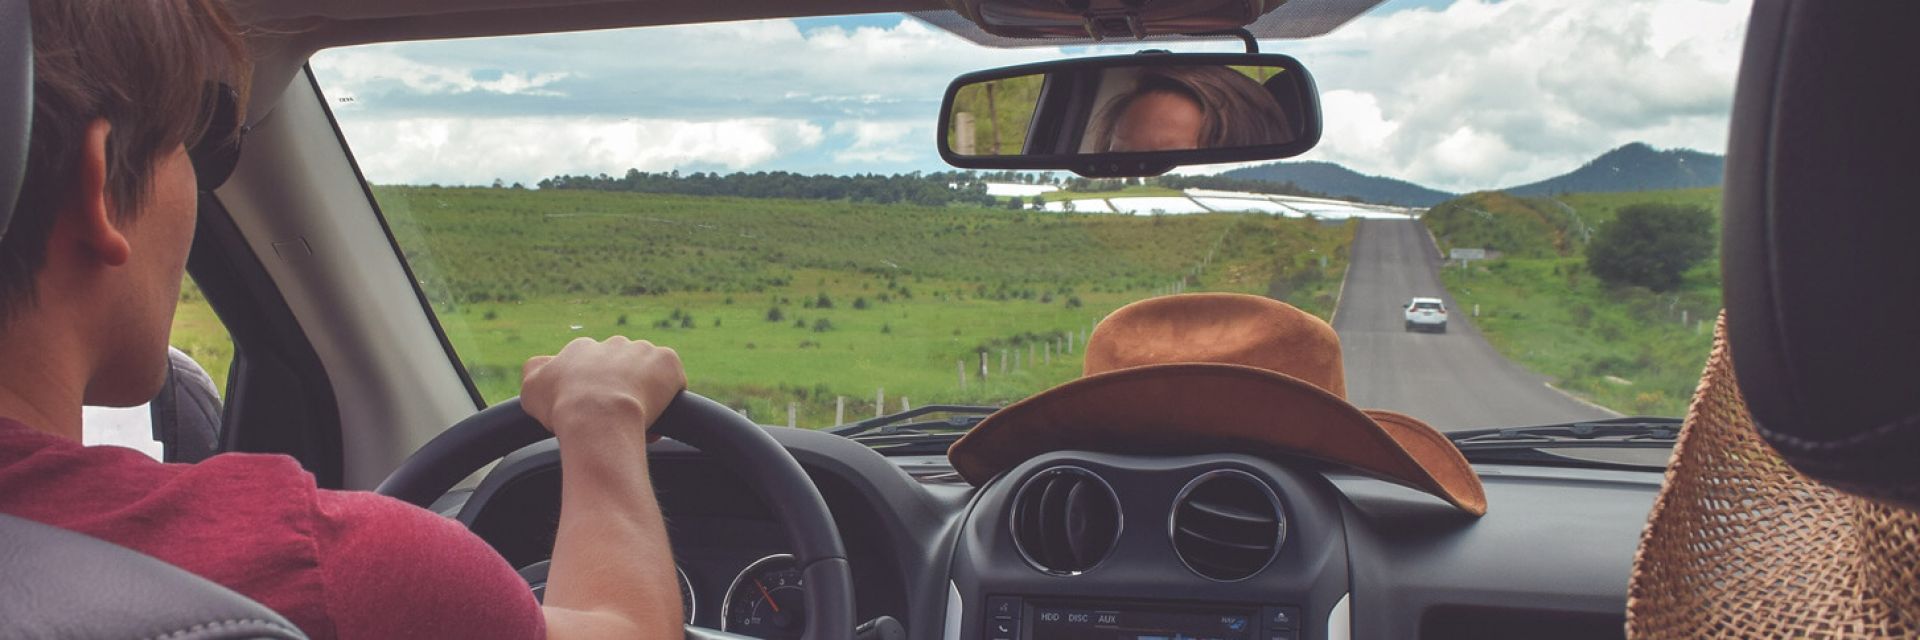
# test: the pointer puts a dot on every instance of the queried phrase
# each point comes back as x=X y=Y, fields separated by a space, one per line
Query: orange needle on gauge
x=768 y=596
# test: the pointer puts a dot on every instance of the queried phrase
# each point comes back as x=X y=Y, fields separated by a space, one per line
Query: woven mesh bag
x=1740 y=545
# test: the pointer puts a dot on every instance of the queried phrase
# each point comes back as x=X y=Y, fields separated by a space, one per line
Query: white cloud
x=1478 y=94
x=516 y=149
x=883 y=141
x=1486 y=94
x=353 y=71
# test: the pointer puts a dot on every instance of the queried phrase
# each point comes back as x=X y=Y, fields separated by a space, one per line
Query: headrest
x=16 y=102
x=1821 y=249
x=1286 y=92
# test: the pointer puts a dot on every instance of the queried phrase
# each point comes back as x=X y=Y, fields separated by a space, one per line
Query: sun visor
x=1027 y=23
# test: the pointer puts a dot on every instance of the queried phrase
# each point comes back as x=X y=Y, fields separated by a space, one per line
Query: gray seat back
x=186 y=413
x=56 y=583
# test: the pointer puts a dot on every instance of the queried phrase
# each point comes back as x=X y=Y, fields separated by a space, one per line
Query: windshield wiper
x=900 y=423
x=1631 y=432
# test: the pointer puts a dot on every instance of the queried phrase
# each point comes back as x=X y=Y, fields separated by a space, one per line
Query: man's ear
x=89 y=211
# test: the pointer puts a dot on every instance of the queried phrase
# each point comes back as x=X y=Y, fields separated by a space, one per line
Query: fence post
x=1683 y=317
x=1476 y=309
x=1047 y=355
x=962 y=366
x=1003 y=362
x=904 y=405
x=879 y=401
x=1069 y=342
x=839 y=410
x=983 y=367
x=793 y=415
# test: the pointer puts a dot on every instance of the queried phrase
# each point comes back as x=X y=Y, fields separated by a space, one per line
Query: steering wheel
x=715 y=430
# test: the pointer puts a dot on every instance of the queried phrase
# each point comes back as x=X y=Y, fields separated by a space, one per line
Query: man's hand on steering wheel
x=612 y=569
x=594 y=390
x=612 y=573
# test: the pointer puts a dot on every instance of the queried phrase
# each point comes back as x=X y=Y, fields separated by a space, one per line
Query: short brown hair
x=145 y=66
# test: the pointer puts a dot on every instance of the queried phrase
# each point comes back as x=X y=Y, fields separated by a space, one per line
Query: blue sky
x=1457 y=95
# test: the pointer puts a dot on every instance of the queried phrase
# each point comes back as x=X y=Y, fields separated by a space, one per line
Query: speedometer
x=688 y=604
x=766 y=600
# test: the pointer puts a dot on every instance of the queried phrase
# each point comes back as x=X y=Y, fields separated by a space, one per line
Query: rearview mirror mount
x=1133 y=115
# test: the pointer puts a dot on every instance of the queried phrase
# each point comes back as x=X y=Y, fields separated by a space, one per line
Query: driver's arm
x=612 y=574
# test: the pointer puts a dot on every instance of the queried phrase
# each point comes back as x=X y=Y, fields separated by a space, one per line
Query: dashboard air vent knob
x=1227 y=525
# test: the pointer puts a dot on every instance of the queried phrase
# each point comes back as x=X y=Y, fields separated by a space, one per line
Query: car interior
x=341 y=363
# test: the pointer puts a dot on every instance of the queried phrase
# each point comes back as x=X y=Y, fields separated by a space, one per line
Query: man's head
x=1198 y=107
x=92 y=262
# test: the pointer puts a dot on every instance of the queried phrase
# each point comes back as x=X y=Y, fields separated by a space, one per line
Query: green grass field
x=1626 y=348
x=914 y=294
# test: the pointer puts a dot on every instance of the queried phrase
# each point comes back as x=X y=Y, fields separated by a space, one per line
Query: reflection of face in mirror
x=1205 y=107
x=1158 y=121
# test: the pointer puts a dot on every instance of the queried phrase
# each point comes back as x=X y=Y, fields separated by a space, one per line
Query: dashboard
x=1091 y=546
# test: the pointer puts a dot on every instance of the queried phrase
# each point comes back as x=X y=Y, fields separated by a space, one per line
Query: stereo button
x=1003 y=629
x=1282 y=617
x=1003 y=607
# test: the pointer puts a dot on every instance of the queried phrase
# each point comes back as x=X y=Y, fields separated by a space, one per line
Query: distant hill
x=1341 y=182
x=1634 y=167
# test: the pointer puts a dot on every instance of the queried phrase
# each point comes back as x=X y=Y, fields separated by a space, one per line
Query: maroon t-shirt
x=340 y=564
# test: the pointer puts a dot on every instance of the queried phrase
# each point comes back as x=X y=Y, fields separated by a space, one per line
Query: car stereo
x=1017 y=618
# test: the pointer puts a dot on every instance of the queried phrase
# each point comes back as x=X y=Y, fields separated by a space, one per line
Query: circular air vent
x=1065 y=520
x=1227 y=525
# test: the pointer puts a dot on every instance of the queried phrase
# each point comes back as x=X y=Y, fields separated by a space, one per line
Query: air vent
x=1227 y=525
x=1065 y=520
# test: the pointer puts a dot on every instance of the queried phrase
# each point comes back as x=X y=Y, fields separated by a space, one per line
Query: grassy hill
x=1519 y=227
x=1341 y=182
x=1627 y=348
x=775 y=301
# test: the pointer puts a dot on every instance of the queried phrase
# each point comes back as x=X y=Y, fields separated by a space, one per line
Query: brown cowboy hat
x=1213 y=372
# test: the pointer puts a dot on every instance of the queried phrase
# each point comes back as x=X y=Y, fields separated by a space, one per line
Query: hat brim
x=1191 y=408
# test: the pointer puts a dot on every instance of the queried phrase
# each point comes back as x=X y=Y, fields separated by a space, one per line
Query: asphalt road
x=1452 y=381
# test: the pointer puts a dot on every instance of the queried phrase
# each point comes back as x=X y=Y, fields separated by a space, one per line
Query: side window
x=198 y=335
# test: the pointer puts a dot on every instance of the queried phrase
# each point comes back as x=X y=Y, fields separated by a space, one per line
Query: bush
x=1073 y=302
x=686 y=322
x=823 y=302
x=1651 y=245
x=822 y=325
x=618 y=322
x=859 y=303
x=775 y=315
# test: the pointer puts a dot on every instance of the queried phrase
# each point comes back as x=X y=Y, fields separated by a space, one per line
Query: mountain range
x=1632 y=167
x=1341 y=182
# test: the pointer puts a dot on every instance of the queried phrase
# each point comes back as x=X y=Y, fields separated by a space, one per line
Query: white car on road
x=1428 y=314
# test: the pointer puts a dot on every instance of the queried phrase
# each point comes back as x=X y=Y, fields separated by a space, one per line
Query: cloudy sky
x=1453 y=94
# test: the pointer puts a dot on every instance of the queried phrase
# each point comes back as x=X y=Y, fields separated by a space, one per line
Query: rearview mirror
x=1137 y=115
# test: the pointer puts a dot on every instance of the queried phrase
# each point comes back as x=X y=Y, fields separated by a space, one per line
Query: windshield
x=766 y=198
